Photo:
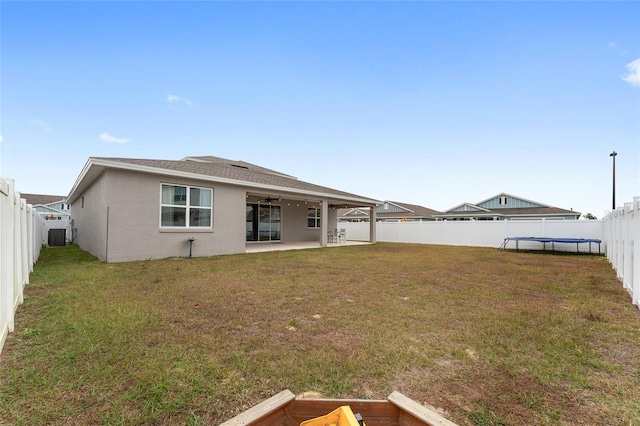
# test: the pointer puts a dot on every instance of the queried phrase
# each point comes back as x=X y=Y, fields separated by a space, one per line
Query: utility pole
x=613 y=154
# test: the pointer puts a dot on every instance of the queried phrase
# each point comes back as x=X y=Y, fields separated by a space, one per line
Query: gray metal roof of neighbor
x=213 y=168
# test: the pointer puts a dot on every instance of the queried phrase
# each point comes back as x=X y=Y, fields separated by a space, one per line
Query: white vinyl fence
x=622 y=234
x=64 y=223
x=20 y=242
x=619 y=232
x=483 y=233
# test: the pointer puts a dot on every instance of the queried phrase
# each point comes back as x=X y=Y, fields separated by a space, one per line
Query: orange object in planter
x=341 y=416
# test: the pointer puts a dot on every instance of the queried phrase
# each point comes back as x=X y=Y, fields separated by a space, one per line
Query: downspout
x=106 y=249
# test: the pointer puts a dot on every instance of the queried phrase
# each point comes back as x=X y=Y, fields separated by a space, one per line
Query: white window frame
x=187 y=206
x=316 y=217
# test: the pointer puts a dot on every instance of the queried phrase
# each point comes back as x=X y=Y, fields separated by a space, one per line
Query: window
x=503 y=201
x=313 y=217
x=186 y=206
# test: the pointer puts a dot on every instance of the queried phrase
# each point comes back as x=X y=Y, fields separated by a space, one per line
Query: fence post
x=6 y=261
x=619 y=244
x=24 y=241
x=17 y=251
x=607 y=237
x=30 y=246
x=628 y=246
x=8 y=253
x=616 y=231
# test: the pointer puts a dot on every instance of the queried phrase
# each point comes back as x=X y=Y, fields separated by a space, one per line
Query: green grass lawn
x=484 y=337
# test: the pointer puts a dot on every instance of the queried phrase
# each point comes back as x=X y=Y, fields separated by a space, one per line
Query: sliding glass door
x=264 y=222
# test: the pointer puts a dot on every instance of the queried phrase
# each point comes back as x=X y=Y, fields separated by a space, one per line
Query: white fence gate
x=20 y=241
x=622 y=234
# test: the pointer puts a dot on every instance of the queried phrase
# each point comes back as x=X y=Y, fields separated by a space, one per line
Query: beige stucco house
x=132 y=209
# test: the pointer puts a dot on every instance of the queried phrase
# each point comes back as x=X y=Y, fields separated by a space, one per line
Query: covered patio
x=280 y=246
x=287 y=220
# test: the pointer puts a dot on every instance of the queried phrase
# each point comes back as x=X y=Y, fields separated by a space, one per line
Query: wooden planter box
x=284 y=409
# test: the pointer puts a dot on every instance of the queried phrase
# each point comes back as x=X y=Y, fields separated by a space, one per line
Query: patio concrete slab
x=279 y=246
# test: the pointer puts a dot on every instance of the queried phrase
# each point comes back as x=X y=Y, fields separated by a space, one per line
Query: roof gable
x=42 y=208
x=391 y=207
x=409 y=210
x=508 y=201
x=357 y=212
x=396 y=210
x=467 y=207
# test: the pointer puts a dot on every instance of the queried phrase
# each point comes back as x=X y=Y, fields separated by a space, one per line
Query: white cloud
x=633 y=77
x=112 y=139
x=174 y=98
x=617 y=48
x=41 y=125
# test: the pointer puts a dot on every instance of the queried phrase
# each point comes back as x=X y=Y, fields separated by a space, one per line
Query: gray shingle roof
x=418 y=211
x=241 y=164
x=527 y=211
x=234 y=170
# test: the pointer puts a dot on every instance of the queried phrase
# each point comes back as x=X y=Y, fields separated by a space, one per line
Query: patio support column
x=324 y=223
x=372 y=225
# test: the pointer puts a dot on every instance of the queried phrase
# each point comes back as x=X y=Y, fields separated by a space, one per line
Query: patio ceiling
x=279 y=197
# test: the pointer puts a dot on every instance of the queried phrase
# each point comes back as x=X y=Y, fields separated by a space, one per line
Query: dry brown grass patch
x=485 y=337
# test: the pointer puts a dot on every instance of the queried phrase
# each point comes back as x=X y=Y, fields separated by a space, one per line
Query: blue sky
x=430 y=103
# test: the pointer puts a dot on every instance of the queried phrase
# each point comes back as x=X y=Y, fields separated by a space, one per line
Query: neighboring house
x=57 y=229
x=507 y=207
x=50 y=207
x=130 y=209
x=389 y=211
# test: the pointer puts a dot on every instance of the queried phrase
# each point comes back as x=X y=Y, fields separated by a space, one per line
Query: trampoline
x=552 y=240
